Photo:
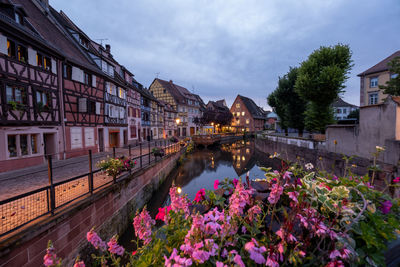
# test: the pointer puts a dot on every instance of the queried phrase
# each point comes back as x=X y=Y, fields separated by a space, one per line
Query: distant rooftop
x=381 y=66
x=341 y=103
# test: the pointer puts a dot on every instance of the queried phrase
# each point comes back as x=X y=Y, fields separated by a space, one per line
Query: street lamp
x=178 y=121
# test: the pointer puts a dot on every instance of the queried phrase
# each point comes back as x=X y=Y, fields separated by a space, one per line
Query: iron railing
x=25 y=208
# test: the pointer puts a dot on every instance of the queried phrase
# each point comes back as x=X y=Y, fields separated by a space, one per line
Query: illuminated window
x=242 y=113
x=238 y=105
x=39 y=60
x=247 y=121
x=34 y=143
x=46 y=63
x=22 y=53
x=11 y=48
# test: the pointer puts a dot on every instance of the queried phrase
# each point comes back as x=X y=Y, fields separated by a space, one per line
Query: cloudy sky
x=220 y=48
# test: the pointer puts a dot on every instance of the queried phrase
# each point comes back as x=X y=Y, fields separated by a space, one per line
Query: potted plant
x=173 y=139
x=111 y=166
x=158 y=152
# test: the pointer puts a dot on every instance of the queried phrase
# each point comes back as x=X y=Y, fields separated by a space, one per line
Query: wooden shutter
x=98 y=108
x=32 y=56
x=82 y=104
x=94 y=81
x=3 y=44
x=53 y=66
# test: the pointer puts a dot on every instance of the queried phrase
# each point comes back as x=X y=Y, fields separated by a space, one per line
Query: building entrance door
x=191 y=131
x=101 y=140
x=114 y=138
x=49 y=142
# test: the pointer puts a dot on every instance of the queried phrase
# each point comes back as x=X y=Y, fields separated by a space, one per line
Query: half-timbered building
x=134 y=119
x=30 y=121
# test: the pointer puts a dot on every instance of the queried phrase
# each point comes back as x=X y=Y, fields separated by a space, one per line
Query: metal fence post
x=90 y=172
x=114 y=152
x=140 y=148
x=52 y=193
x=149 y=153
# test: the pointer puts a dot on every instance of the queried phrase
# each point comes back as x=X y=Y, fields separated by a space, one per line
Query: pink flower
x=176 y=261
x=276 y=192
x=200 y=256
x=235 y=181
x=134 y=253
x=142 y=224
x=95 y=240
x=272 y=260
x=162 y=212
x=50 y=258
x=286 y=175
x=252 y=212
x=255 y=251
x=79 y=264
x=336 y=263
x=238 y=260
x=220 y=264
x=396 y=180
x=216 y=184
x=293 y=196
x=385 y=208
x=178 y=202
x=114 y=248
x=239 y=199
x=200 y=195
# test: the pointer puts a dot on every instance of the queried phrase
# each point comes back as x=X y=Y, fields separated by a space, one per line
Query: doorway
x=125 y=137
x=191 y=131
x=49 y=142
x=101 y=140
x=113 y=139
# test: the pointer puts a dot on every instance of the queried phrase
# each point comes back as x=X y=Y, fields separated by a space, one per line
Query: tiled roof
x=396 y=99
x=341 y=103
x=255 y=111
x=179 y=93
x=381 y=66
x=217 y=105
x=53 y=35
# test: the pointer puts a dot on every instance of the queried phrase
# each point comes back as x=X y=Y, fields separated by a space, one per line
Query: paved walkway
x=17 y=182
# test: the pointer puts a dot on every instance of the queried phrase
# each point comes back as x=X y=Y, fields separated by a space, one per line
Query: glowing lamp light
x=212 y=124
x=179 y=190
x=178 y=121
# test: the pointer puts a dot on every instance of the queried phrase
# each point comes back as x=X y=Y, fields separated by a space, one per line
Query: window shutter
x=32 y=57
x=3 y=44
x=77 y=74
x=53 y=66
x=98 y=108
x=82 y=104
x=93 y=80
x=76 y=137
x=89 y=137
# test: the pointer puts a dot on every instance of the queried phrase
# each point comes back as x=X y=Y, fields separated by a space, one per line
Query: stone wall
x=109 y=210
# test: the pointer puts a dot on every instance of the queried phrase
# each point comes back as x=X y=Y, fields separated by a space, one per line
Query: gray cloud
x=224 y=48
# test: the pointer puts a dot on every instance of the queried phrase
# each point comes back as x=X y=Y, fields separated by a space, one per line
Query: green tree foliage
x=287 y=103
x=355 y=114
x=320 y=80
x=392 y=86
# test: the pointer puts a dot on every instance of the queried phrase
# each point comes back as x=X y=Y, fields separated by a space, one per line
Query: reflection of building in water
x=242 y=156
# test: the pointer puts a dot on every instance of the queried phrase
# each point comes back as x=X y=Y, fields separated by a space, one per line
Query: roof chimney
x=108 y=48
x=171 y=81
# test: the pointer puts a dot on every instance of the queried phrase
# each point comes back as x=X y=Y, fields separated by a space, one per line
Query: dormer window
x=84 y=42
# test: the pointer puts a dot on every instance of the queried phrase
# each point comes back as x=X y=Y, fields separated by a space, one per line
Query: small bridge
x=213 y=139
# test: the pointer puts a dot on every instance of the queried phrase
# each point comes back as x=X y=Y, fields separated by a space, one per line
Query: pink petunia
x=293 y=196
x=216 y=184
x=114 y=248
x=200 y=195
x=238 y=260
x=235 y=182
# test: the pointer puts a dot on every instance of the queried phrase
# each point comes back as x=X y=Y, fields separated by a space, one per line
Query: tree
x=320 y=80
x=355 y=114
x=287 y=103
x=393 y=85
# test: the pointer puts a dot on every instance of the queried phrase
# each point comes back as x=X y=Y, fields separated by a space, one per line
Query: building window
x=247 y=121
x=39 y=60
x=34 y=143
x=91 y=107
x=372 y=98
x=18 y=18
x=22 y=53
x=23 y=144
x=11 y=48
x=238 y=105
x=373 y=82
x=12 y=146
x=43 y=99
x=338 y=110
x=15 y=94
x=242 y=113
x=87 y=79
x=344 y=111
x=133 y=131
x=46 y=63
x=67 y=71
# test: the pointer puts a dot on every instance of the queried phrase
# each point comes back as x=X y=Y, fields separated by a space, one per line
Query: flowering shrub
x=299 y=218
x=158 y=151
x=111 y=166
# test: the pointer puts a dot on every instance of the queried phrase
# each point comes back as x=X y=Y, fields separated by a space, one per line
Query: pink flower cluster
x=275 y=194
x=176 y=261
x=95 y=240
x=79 y=263
x=252 y=212
x=255 y=251
x=162 y=214
x=239 y=199
x=178 y=202
x=114 y=248
x=50 y=258
x=142 y=224
x=200 y=195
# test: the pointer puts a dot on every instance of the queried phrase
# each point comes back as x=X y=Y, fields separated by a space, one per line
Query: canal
x=203 y=167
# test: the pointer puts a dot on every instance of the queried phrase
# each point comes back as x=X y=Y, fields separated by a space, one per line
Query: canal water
x=203 y=167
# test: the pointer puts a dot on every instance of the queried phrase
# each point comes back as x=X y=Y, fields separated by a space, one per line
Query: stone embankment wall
x=108 y=210
x=322 y=159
